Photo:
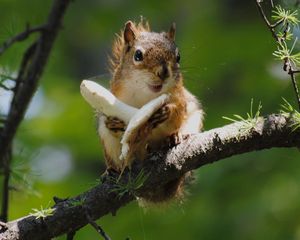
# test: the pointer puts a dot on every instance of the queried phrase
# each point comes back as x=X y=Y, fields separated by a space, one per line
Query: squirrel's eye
x=138 y=55
x=178 y=58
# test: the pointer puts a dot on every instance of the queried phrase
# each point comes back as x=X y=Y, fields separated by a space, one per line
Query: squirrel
x=145 y=65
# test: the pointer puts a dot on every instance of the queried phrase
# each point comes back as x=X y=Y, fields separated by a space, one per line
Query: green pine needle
x=42 y=212
x=131 y=185
x=77 y=202
x=250 y=121
x=287 y=16
x=288 y=110
x=22 y=177
x=283 y=52
x=288 y=35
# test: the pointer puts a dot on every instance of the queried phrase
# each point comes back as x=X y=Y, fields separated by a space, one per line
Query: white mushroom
x=138 y=120
x=103 y=100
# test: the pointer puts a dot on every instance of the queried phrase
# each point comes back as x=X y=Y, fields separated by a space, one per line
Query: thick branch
x=30 y=72
x=192 y=153
x=31 y=69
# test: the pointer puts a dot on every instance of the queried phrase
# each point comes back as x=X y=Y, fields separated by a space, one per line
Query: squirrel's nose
x=163 y=72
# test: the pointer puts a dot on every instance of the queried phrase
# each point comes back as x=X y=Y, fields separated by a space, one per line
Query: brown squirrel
x=144 y=66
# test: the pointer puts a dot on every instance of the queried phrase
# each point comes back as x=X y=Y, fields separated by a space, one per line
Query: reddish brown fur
x=159 y=47
x=119 y=44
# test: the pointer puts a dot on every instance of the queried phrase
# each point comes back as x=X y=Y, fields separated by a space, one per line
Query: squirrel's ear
x=172 y=31
x=129 y=32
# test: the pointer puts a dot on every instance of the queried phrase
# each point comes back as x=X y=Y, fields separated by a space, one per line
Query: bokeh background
x=226 y=54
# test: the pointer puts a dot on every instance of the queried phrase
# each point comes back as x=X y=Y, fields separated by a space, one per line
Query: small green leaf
x=288 y=35
x=288 y=110
x=250 y=121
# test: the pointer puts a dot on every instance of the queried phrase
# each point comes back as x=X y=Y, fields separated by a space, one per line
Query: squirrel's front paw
x=115 y=124
x=160 y=116
x=174 y=139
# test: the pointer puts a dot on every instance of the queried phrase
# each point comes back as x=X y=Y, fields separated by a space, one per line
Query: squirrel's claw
x=115 y=124
x=160 y=116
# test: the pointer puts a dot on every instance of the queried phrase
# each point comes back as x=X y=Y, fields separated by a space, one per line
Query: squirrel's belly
x=135 y=96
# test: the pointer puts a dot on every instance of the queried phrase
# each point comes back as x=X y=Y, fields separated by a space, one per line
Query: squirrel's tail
x=172 y=190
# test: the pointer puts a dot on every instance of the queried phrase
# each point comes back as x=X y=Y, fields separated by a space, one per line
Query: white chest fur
x=136 y=91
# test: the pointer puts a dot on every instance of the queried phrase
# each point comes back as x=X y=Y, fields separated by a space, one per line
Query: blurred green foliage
x=227 y=59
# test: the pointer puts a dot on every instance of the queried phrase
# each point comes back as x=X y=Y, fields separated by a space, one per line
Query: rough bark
x=192 y=153
x=161 y=167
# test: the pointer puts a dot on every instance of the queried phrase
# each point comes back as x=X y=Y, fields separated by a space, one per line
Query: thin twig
x=98 y=228
x=285 y=32
x=287 y=66
x=5 y=87
x=274 y=25
x=20 y=37
x=25 y=61
x=269 y=25
x=7 y=77
x=292 y=74
x=70 y=235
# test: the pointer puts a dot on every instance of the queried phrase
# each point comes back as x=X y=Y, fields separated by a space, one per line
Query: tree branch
x=162 y=167
x=287 y=65
x=31 y=72
x=20 y=37
x=267 y=22
x=97 y=228
x=31 y=69
x=292 y=73
x=70 y=235
x=5 y=197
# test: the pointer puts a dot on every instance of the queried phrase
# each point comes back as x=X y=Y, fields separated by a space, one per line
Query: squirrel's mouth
x=155 y=87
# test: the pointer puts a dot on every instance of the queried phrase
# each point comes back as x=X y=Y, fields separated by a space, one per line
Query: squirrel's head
x=148 y=59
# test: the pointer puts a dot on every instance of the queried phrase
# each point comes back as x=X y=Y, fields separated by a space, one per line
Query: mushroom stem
x=104 y=101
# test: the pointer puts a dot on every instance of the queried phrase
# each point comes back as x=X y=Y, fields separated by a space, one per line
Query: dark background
x=226 y=54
